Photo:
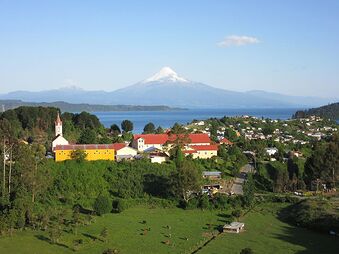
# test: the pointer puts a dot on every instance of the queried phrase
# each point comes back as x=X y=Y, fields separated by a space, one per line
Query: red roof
x=225 y=141
x=199 y=138
x=118 y=146
x=152 y=138
x=85 y=147
x=196 y=138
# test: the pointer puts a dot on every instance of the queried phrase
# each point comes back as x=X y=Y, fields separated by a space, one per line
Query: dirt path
x=240 y=179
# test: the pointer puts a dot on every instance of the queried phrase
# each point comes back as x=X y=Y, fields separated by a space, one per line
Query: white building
x=123 y=151
x=58 y=139
x=271 y=151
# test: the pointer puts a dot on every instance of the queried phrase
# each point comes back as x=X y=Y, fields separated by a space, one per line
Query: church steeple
x=58 y=126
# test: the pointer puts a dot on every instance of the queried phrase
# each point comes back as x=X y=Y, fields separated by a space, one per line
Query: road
x=240 y=179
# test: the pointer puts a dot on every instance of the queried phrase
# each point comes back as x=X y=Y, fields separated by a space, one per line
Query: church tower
x=58 y=126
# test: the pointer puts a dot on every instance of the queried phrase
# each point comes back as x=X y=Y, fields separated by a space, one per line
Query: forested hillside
x=71 y=107
x=35 y=125
x=329 y=111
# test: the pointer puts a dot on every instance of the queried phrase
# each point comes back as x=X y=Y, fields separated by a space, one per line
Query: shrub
x=220 y=201
x=118 y=205
x=247 y=251
x=204 y=202
x=102 y=205
x=110 y=251
x=192 y=204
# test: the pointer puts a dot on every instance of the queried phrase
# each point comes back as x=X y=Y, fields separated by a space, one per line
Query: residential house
x=144 y=142
x=123 y=151
x=271 y=151
x=225 y=141
x=197 y=144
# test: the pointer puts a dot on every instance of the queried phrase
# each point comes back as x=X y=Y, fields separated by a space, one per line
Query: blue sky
x=290 y=47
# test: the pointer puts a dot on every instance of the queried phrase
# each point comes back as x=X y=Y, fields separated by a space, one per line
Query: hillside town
x=155 y=146
x=203 y=138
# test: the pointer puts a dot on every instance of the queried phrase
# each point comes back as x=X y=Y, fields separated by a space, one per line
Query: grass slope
x=265 y=233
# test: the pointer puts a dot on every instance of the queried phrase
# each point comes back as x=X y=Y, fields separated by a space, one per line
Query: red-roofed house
x=123 y=151
x=202 y=151
x=197 y=144
x=145 y=142
x=225 y=141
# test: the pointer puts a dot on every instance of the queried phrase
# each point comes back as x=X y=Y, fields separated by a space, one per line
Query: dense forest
x=330 y=111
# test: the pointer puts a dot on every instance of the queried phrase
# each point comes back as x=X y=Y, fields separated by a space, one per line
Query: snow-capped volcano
x=167 y=88
x=166 y=74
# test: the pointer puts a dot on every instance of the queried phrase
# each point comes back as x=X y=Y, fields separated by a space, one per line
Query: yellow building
x=93 y=152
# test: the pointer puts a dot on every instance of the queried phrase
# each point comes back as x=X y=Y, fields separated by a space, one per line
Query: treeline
x=36 y=125
x=330 y=111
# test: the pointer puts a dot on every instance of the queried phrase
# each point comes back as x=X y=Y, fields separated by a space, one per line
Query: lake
x=167 y=118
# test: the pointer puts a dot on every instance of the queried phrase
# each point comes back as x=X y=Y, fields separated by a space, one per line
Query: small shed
x=211 y=174
x=234 y=227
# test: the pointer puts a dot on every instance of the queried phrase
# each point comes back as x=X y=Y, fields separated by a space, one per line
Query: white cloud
x=237 y=40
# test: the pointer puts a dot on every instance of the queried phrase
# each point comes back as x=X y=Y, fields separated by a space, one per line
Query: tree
x=323 y=165
x=114 y=129
x=126 y=125
x=159 y=130
x=55 y=233
x=30 y=177
x=204 y=202
x=231 y=134
x=222 y=152
x=76 y=218
x=102 y=205
x=186 y=181
x=268 y=129
x=249 y=190
x=78 y=155
x=178 y=156
x=149 y=128
x=86 y=120
x=177 y=129
x=88 y=136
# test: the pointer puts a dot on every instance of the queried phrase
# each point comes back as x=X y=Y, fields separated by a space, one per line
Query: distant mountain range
x=71 y=107
x=167 y=88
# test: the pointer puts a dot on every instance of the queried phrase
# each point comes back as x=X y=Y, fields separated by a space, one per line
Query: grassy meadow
x=173 y=230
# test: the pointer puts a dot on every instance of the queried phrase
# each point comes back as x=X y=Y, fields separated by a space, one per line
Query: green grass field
x=185 y=232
